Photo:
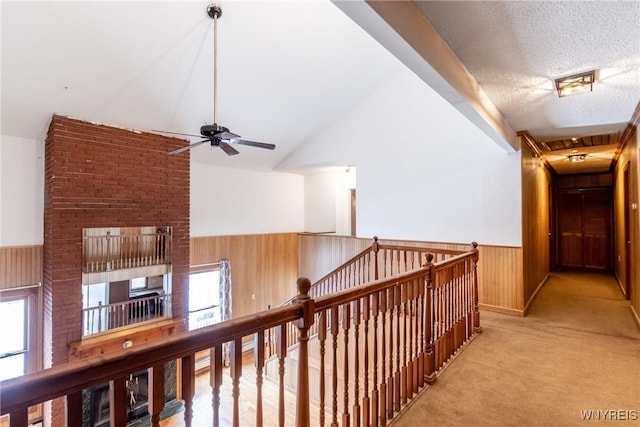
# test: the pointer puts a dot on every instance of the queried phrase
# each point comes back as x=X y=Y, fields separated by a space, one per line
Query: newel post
x=303 y=324
x=430 y=359
x=476 y=311
x=375 y=247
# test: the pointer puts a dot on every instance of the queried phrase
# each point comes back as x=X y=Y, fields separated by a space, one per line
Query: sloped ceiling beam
x=401 y=28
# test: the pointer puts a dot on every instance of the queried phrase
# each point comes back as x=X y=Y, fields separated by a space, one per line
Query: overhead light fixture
x=577 y=83
x=577 y=157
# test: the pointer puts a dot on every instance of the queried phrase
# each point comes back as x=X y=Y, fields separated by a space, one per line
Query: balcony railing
x=379 y=261
x=105 y=317
x=378 y=344
x=114 y=250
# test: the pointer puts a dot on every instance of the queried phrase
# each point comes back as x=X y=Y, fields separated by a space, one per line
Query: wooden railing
x=378 y=261
x=386 y=340
x=109 y=251
x=117 y=315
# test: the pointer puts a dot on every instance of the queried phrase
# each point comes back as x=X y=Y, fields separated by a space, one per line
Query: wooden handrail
x=22 y=392
x=411 y=324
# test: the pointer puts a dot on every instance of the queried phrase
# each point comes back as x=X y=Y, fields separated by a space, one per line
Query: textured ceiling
x=515 y=50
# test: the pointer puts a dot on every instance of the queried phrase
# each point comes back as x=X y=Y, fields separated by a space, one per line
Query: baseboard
x=503 y=310
x=622 y=289
x=535 y=293
x=635 y=316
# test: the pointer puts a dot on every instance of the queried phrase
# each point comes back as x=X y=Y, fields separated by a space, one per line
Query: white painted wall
x=327 y=200
x=235 y=201
x=424 y=171
x=21 y=191
x=320 y=202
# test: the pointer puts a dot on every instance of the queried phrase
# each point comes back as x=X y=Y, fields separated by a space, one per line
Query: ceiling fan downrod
x=215 y=12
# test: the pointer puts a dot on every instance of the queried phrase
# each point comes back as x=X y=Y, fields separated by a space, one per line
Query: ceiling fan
x=216 y=135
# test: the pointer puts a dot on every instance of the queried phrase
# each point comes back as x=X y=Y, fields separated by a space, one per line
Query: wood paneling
x=20 y=266
x=263 y=267
x=584 y=180
x=499 y=270
x=536 y=224
x=629 y=157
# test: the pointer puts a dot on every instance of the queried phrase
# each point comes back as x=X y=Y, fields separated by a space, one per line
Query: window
x=13 y=340
x=204 y=301
x=138 y=283
x=94 y=321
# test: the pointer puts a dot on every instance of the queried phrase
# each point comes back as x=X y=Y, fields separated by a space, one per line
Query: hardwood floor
x=202 y=404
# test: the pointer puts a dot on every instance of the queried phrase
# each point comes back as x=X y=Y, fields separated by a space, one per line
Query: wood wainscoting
x=500 y=272
x=263 y=267
x=20 y=266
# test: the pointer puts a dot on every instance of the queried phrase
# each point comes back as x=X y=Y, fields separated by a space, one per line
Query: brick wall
x=102 y=176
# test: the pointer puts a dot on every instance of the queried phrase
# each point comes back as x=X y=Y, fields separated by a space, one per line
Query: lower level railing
x=377 y=345
x=105 y=317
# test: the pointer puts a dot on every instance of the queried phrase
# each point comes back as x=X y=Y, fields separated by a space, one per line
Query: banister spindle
x=356 y=363
x=335 y=324
x=258 y=361
x=236 y=374
x=188 y=371
x=322 y=337
x=156 y=393
x=303 y=324
x=375 y=247
x=215 y=380
x=346 y=315
x=429 y=361
x=476 y=312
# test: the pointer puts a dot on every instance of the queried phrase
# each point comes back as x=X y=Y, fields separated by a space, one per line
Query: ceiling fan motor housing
x=210 y=131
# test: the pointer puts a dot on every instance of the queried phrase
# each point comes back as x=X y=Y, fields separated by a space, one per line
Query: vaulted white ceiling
x=288 y=70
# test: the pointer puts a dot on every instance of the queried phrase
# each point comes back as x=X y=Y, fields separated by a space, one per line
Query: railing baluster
x=396 y=381
x=346 y=316
x=236 y=374
x=156 y=393
x=303 y=324
x=118 y=399
x=366 y=415
x=281 y=351
x=391 y=304
x=356 y=363
x=375 y=397
x=74 y=408
x=383 y=362
x=335 y=324
x=258 y=362
x=19 y=418
x=403 y=391
x=215 y=381
x=188 y=387
x=322 y=337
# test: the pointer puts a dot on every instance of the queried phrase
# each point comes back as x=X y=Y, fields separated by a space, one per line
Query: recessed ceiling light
x=577 y=83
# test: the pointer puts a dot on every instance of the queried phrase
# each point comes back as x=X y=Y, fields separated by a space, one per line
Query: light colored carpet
x=577 y=351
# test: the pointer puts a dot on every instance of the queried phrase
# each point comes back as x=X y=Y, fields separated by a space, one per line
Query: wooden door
x=626 y=207
x=584 y=222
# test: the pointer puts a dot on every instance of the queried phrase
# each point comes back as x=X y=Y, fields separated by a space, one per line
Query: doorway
x=627 y=230
x=584 y=228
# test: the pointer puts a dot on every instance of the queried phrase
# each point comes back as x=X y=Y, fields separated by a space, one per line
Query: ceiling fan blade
x=254 y=144
x=176 y=133
x=228 y=149
x=227 y=135
x=188 y=147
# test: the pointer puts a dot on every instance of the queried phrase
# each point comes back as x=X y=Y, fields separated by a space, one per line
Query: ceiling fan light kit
x=215 y=134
